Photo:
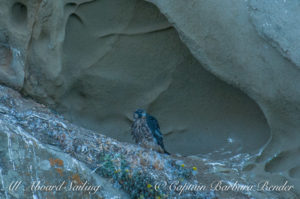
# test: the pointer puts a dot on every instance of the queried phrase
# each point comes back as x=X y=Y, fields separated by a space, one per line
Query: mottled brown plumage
x=146 y=132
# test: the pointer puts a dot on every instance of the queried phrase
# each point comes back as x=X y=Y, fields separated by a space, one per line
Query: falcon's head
x=139 y=113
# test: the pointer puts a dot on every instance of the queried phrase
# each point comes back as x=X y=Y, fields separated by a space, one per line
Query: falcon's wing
x=152 y=123
x=155 y=130
x=154 y=126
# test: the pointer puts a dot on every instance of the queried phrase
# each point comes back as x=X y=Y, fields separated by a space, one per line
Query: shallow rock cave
x=198 y=113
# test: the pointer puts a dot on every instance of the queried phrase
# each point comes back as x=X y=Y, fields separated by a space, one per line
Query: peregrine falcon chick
x=146 y=131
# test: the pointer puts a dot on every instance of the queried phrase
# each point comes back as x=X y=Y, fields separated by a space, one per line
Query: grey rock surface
x=277 y=22
x=38 y=145
x=252 y=46
x=31 y=168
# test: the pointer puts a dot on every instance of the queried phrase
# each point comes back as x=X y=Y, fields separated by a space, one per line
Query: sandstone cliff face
x=253 y=45
x=97 y=61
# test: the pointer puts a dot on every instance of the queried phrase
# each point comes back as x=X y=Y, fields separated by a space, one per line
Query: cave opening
x=140 y=62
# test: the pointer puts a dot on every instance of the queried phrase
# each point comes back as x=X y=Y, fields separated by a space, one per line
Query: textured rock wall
x=97 y=61
x=253 y=45
x=40 y=150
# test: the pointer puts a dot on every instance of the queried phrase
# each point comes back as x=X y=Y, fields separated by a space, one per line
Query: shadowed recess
x=140 y=66
x=19 y=13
